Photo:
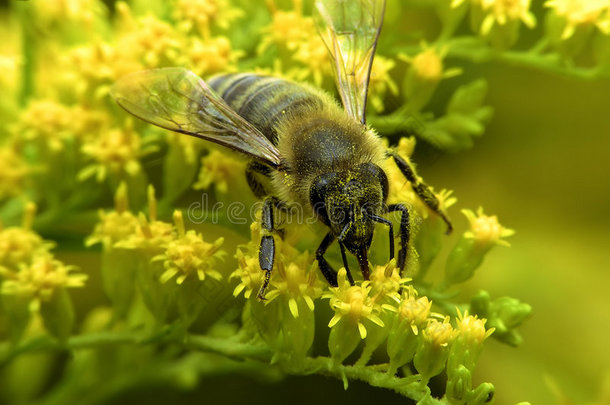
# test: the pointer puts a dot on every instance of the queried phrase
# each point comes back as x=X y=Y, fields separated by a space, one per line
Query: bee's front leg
x=327 y=271
x=404 y=231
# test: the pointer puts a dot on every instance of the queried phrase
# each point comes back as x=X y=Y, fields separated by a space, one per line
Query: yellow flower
x=116 y=225
x=386 y=281
x=381 y=81
x=414 y=310
x=13 y=172
x=288 y=28
x=502 y=12
x=90 y=70
x=439 y=334
x=54 y=123
x=472 y=329
x=219 y=169
x=19 y=245
x=151 y=235
x=295 y=278
x=486 y=230
x=201 y=14
x=212 y=55
x=248 y=272
x=579 y=13
x=49 y=13
x=312 y=53
x=148 y=40
x=38 y=280
x=353 y=303
x=428 y=64
x=189 y=255
x=115 y=151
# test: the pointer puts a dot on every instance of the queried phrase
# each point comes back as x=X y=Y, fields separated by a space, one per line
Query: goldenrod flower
x=91 y=69
x=386 y=281
x=579 y=13
x=502 y=12
x=148 y=40
x=219 y=169
x=353 y=303
x=294 y=279
x=13 y=172
x=199 y=15
x=117 y=225
x=48 y=121
x=288 y=28
x=84 y=12
x=19 y=245
x=115 y=151
x=439 y=334
x=472 y=329
x=151 y=235
x=414 y=310
x=189 y=255
x=428 y=64
x=425 y=73
x=249 y=273
x=211 y=55
x=471 y=333
x=381 y=82
x=38 y=280
x=486 y=230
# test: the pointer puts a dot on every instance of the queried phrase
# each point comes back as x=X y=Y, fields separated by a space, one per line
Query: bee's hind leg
x=266 y=251
x=420 y=188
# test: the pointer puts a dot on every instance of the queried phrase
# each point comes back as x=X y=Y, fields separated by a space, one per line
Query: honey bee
x=311 y=151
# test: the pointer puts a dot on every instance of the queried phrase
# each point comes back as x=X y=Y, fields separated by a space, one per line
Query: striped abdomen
x=263 y=100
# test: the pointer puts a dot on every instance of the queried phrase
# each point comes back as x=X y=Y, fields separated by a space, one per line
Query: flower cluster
x=67 y=146
x=33 y=282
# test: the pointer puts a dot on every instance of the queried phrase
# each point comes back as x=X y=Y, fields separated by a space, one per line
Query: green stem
x=410 y=387
x=476 y=50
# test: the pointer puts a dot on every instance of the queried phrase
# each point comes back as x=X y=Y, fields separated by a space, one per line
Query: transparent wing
x=350 y=29
x=178 y=100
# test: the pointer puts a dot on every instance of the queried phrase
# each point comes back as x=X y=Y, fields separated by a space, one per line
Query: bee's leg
x=344 y=258
x=405 y=233
x=266 y=252
x=391 y=231
x=255 y=185
x=260 y=190
x=327 y=271
x=420 y=188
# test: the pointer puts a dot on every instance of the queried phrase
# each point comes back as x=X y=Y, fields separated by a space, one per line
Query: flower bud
x=504 y=314
x=58 y=314
x=483 y=394
x=459 y=385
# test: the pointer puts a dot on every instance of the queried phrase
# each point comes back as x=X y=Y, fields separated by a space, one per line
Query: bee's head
x=347 y=200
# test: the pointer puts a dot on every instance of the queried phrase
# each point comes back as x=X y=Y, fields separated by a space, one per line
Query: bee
x=303 y=148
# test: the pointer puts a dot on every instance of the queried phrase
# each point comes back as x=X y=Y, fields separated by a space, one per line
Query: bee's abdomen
x=263 y=100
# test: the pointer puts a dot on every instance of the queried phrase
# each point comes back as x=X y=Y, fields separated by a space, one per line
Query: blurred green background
x=543 y=167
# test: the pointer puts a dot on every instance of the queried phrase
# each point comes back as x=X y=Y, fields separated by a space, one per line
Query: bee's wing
x=350 y=29
x=178 y=100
